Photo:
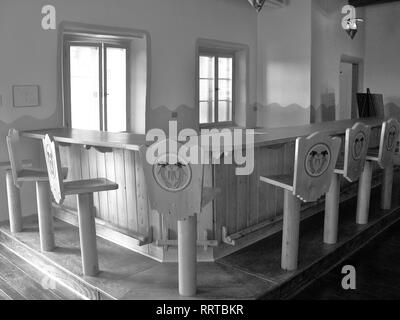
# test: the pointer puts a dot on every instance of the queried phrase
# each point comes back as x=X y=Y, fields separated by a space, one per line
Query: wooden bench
x=15 y=178
x=349 y=165
x=83 y=189
x=383 y=156
x=315 y=160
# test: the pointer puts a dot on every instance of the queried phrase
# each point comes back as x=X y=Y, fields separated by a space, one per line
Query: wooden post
x=291 y=226
x=87 y=234
x=45 y=216
x=332 y=211
x=14 y=204
x=387 y=186
x=364 y=194
x=187 y=256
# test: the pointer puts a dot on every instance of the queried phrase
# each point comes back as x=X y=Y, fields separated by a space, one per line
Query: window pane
x=85 y=97
x=207 y=111
x=225 y=90
x=207 y=67
x=116 y=89
x=225 y=68
x=207 y=90
x=224 y=111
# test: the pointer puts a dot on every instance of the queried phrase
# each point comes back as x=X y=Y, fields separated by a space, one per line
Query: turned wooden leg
x=45 y=216
x=364 y=194
x=291 y=228
x=387 y=186
x=87 y=234
x=187 y=256
x=332 y=211
x=14 y=204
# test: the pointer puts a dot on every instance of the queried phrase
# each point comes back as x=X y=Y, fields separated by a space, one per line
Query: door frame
x=358 y=66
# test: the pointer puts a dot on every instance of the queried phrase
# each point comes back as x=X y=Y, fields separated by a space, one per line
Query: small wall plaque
x=26 y=96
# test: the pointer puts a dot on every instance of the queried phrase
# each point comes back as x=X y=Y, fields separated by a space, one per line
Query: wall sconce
x=352 y=27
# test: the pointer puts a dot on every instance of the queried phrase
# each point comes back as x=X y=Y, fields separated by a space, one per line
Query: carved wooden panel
x=174 y=185
x=389 y=136
x=52 y=156
x=315 y=160
x=356 y=149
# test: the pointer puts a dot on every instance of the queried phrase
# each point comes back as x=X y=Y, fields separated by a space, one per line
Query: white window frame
x=216 y=53
x=102 y=43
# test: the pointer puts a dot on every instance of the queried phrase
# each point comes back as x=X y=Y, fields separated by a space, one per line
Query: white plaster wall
x=284 y=65
x=382 y=72
x=329 y=43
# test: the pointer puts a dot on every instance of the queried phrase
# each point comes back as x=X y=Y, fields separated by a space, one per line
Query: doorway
x=350 y=83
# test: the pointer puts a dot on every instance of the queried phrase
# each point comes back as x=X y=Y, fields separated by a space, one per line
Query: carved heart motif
x=317 y=160
x=358 y=146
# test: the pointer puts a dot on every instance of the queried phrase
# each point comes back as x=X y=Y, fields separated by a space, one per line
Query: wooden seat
x=15 y=178
x=349 y=165
x=281 y=181
x=83 y=189
x=89 y=186
x=315 y=159
x=383 y=156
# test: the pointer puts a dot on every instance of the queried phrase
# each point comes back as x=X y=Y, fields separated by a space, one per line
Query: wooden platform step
x=251 y=273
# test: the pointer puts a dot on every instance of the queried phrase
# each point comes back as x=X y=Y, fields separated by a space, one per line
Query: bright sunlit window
x=216 y=88
x=95 y=82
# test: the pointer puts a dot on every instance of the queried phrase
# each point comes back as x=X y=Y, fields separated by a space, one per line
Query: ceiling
x=363 y=3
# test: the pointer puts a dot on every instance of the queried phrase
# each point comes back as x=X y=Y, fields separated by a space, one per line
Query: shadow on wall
x=160 y=116
x=275 y=115
x=326 y=111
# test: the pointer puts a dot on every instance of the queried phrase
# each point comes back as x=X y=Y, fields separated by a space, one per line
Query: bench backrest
x=388 y=141
x=53 y=164
x=315 y=160
x=174 y=186
x=355 y=150
x=13 y=145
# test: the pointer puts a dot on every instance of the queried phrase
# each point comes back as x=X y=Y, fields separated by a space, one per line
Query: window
x=216 y=88
x=96 y=83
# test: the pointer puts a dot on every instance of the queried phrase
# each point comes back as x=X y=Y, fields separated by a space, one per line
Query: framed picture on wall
x=25 y=96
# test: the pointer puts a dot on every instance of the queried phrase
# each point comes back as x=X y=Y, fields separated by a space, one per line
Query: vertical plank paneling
x=103 y=196
x=112 y=195
x=205 y=219
x=272 y=169
x=220 y=203
x=130 y=173
x=121 y=192
x=253 y=190
x=265 y=189
x=75 y=171
x=141 y=196
x=242 y=211
x=231 y=207
x=92 y=158
x=280 y=160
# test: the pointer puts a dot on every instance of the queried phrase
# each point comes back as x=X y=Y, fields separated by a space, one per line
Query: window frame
x=102 y=42
x=216 y=53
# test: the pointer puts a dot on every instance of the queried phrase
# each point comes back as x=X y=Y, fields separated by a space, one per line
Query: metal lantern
x=258 y=4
